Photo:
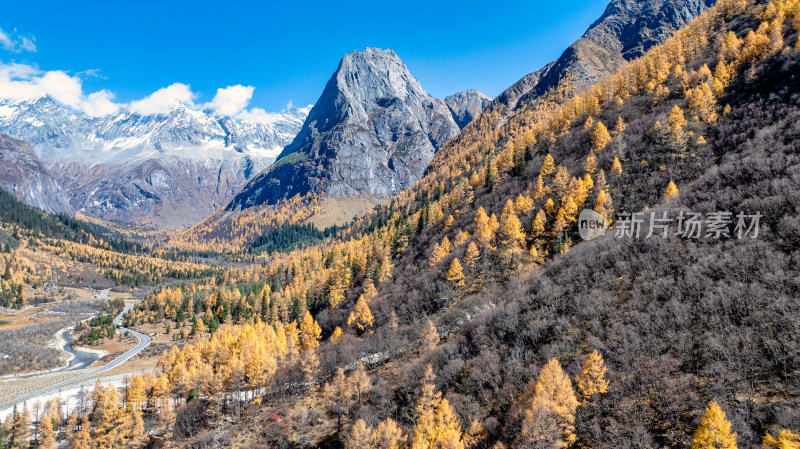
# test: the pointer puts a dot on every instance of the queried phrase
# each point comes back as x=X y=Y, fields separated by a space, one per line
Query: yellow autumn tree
x=360 y=382
x=456 y=273
x=600 y=137
x=620 y=126
x=676 y=123
x=511 y=233
x=437 y=426
x=548 y=165
x=47 y=436
x=361 y=315
x=439 y=252
x=604 y=205
x=592 y=379
x=537 y=228
x=714 y=431
x=703 y=103
x=671 y=190
x=335 y=334
x=472 y=254
x=309 y=332
x=360 y=436
x=785 y=440
x=616 y=166
x=591 y=164
x=483 y=228
x=554 y=404
x=388 y=435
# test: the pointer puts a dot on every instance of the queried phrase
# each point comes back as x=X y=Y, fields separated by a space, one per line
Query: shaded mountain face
x=466 y=105
x=373 y=131
x=24 y=175
x=168 y=169
x=625 y=31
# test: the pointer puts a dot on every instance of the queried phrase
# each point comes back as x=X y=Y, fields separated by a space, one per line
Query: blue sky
x=279 y=51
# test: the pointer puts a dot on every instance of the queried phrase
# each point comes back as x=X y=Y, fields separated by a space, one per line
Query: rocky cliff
x=373 y=132
x=23 y=174
x=467 y=105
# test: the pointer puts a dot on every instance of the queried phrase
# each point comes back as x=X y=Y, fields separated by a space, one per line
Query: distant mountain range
x=167 y=169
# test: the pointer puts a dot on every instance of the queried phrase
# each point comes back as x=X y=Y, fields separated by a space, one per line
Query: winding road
x=144 y=341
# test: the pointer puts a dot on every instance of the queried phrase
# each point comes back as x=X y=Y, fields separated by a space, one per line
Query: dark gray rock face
x=466 y=105
x=24 y=175
x=373 y=131
x=626 y=30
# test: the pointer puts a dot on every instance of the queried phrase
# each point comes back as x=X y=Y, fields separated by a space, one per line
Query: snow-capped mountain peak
x=107 y=162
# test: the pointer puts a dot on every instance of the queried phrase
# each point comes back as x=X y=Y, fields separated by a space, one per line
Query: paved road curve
x=144 y=340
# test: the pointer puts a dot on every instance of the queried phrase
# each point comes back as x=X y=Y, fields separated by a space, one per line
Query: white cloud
x=16 y=43
x=256 y=115
x=231 y=100
x=100 y=103
x=289 y=105
x=164 y=100
x=23 y=82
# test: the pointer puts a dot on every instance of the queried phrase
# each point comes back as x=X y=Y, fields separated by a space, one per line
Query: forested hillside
x=468 y=312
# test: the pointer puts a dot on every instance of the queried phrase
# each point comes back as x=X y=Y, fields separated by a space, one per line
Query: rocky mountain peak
x=466 y=105
x=373 y=131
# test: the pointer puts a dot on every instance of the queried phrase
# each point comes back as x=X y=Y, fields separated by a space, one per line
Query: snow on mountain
x=169 y=169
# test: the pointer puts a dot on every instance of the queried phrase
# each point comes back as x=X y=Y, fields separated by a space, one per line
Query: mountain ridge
x=170 y=169
x=373 y=131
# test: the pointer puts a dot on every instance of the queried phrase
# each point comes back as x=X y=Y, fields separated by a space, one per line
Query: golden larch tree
x=456 y=273
x=553 y=394
x=361 y=315
x=310 y=332
x=388 y=435
x=472 y=254
x=616 y=166
x=548 y=165
x=671 y=190
x=437 y=426
x=620 y=126
x=676 y=123
x=335 y=334
x=590 y=166
x=714 y=431
x=47 y=436
x=600 y=137
x=360 y=382
x=604 y=205
x=360 y=436
x=537 y=228
x=511 y=233
x=786 y=439
x=592 y=379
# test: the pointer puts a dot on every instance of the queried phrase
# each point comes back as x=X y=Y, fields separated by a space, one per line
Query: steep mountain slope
x=373 y=131
x=487 y=246
x=24 y=175
x=624 y=32
x=171 y=169
x=467 y=105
